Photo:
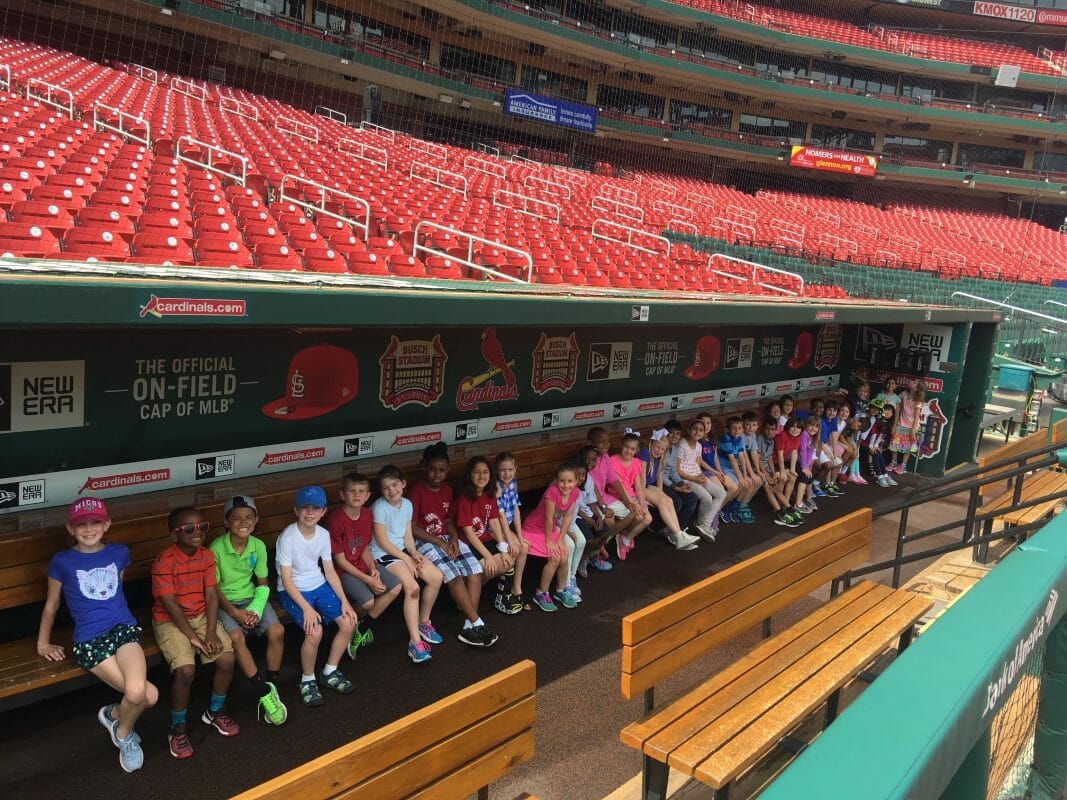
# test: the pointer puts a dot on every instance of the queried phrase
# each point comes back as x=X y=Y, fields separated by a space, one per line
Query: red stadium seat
x=27 y=240
x=160 y=247
x=279 y=257
x=96 y=243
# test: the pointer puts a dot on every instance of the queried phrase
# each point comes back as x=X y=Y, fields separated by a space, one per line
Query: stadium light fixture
x=464 y=103
x=446 y=98
x=1063 y=190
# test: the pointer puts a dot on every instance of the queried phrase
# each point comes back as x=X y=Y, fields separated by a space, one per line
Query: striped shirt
x=185 y=577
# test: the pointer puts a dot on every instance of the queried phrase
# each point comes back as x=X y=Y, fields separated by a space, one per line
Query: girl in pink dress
x=903 y=443
x=625 y=495
x=545 y=528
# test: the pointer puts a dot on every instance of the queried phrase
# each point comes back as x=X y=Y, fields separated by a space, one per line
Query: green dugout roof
x=115 y=295
x=907 y=734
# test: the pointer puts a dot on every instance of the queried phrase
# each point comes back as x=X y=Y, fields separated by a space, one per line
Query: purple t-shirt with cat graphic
x=92 y=587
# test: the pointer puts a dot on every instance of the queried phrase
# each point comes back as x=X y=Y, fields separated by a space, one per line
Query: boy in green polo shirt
x=244 y=601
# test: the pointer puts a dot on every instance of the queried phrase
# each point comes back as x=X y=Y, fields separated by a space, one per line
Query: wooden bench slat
x=770 y=688
x=636 y=682
x=1056 y=484
x=657 y=616
x=332 y=774
x=662 y=732
x=1033 y=486
x=740 y=754
x=734 y=612
x=479 y=773
x=413 y=776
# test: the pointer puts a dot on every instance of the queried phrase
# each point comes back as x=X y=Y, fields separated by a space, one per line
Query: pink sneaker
x=859 y=479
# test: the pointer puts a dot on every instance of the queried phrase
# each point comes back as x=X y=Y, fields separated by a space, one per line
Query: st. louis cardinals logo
x=432 y=525
x=478 y=526
x=482 y=388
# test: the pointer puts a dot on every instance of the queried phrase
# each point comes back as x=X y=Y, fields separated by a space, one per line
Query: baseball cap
x=310 y=496
x=321 y=379
x=87 y=509
x=239 y=501
x=705 y=359
x=876 y=405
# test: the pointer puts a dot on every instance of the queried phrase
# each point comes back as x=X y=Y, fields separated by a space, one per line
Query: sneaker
x=686 y=541
x=354 y=643
x=478 y=636
x=833 y=490
x=817 y=492
x=419 y=652
x=889 y=480
x=622 y=548
x=272 y=707
x=781 y=518
x=178 y=741
x=544 y=602
x=881 y=481
x=310 y=694
x=111 y=723
x=507 y=604
x=337 y=681
x=805 y=508
x=602 y=564
x=221 y=721
x=429 y=634
x=794 y=519
x=565 y=598
x=572 y=587
x=746 y=516
x=583 y=567
x=131 y=756
x=859 y=479
x=702 y=532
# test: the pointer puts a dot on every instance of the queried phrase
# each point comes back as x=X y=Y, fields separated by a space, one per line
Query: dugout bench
x=24 y=556
x=445 y=751
x=720 y=729
x=1024 y=488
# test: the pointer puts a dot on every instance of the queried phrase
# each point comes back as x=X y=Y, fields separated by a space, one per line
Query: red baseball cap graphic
x=705 y=359
x=803 y=349
x=321 y=379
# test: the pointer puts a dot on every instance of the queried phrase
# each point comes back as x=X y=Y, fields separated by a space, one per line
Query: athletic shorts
x=321 y=598
x=619 y=509
x=359 y=593
x=179 y=651
x=729 y=473
x=266 y=619
x=462 y=566
x=100 y=648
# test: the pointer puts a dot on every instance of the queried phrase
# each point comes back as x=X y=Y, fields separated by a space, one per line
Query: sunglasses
x=192 y=527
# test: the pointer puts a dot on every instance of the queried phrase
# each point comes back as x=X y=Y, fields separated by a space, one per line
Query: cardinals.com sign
x=821 y=158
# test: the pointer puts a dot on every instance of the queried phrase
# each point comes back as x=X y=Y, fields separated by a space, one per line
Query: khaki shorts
x=178 y=650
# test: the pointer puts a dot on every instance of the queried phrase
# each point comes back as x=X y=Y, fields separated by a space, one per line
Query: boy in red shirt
x=185 y=621
x=370 y=590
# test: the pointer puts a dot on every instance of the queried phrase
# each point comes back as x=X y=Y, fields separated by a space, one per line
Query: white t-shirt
x=303 y=555
x=587 y=497
x=395 y=521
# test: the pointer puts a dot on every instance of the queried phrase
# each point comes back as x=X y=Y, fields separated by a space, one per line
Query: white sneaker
x=883 y=482
x=686 y=541
x=703 y=534
x=889 y=480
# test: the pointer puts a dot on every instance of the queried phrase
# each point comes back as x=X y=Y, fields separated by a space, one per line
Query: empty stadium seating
x=198 y=174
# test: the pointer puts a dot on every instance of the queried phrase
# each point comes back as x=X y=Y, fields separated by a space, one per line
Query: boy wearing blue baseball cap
x=311 y=597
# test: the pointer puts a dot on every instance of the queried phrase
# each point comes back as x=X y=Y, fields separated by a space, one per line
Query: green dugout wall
x=123 y=386
x=909 y=733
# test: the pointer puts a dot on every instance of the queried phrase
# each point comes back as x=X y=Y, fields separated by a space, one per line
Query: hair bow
x=631 y=430
x=660 y=433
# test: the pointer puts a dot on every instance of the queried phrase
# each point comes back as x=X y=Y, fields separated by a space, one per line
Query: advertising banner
x=110 y=413
x=554 y=111
x=827 y=160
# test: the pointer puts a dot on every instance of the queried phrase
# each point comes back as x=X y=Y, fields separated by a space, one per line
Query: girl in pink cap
x=106 y=638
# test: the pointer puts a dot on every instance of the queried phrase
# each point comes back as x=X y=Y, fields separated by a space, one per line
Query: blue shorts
x=321 y=598
x=729 y=473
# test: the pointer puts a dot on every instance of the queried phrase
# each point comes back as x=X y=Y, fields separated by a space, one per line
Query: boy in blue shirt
x=827 y=459
x=734 y=462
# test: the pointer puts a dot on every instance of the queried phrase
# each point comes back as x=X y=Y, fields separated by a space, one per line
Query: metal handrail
x=628 y=241
x=469 y=260
x=293 y=126
x=209 y=165
x=1014 y=467
x=531 y=206
x=189 y=89
x=120 y=128
x=231 y=105
x=320 y=208
x=438 y=174
x=1014 y=309
x=47 y=98
x=378 y=130
x=361 y=149
x=489 y=168
x=332 y=113
x=755 y=268
x=533 y=179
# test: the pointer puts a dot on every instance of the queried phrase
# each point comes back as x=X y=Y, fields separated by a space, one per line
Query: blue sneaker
x=817 y=492
x=131 y=756
x=544 y=602
x=429 y=634
x=419 y=652
x=111 y=724
x=565 y=598
x=601 y=564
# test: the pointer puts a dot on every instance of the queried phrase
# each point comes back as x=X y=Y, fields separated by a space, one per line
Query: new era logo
x=359 y=447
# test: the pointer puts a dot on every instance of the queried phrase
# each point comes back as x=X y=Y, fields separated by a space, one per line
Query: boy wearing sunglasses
x=185 y=621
